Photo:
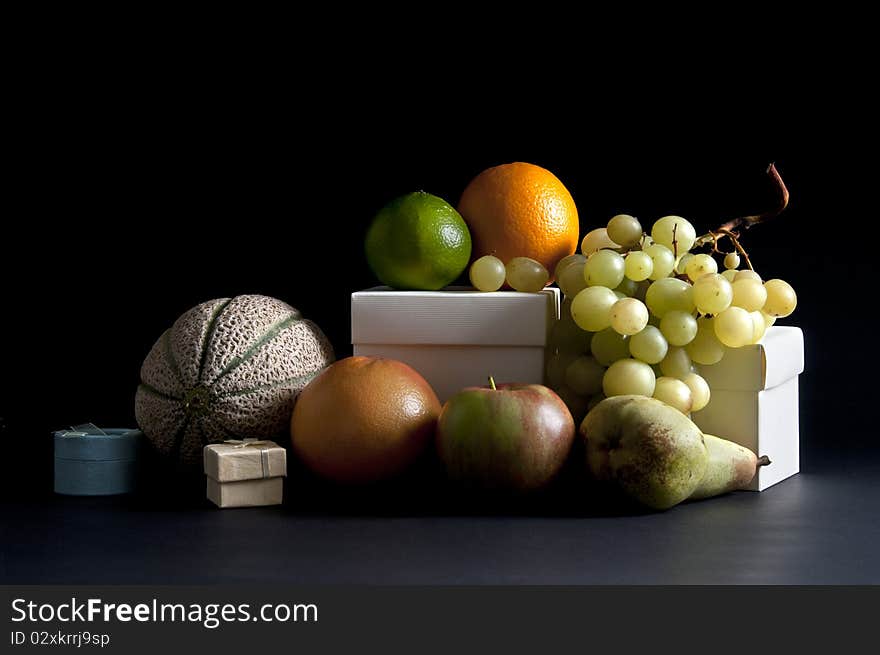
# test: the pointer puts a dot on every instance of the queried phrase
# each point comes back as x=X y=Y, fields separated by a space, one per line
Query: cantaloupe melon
x=229 y=368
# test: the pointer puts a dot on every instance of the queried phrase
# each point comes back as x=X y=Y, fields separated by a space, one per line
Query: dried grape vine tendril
x=731 y=228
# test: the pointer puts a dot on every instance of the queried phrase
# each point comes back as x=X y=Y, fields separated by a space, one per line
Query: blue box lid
x=114 y=444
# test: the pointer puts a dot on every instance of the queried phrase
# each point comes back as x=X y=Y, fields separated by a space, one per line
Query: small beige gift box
x=245 y=473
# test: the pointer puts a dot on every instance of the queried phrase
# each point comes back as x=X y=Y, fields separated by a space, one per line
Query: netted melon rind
x=260 y=414
x=188 y=338
x=158 y=369
x=193 y=441
x=298 y=350
x=159 y=419
x=242 y=324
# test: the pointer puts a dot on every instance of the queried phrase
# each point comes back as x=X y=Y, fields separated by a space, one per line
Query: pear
x=653 y=452
x=730 y=467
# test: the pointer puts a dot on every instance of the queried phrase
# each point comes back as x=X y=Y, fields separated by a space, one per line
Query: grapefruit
x=363 y=419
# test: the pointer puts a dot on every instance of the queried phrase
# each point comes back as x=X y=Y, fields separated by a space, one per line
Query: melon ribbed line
x=270 y=334
x=152 y=390
x=178 y=438
x=271 y=385
x=209 y=337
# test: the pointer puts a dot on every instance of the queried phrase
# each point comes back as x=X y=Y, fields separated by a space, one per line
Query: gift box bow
x=262 y=444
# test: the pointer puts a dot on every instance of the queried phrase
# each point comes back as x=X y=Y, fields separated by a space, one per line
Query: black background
x=144 y=188
x=150 y=172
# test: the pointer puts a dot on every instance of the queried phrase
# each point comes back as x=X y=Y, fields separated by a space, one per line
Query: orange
x=363 y=419
x=520 y=210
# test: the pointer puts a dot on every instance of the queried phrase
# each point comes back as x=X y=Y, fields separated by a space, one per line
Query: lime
x=418 y=241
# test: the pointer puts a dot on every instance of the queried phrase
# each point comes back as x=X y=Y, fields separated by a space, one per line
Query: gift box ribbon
x=255 y=443
x=84 y=430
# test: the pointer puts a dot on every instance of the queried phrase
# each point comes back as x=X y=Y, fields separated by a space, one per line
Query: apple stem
x=492 y=383
x=763 y=460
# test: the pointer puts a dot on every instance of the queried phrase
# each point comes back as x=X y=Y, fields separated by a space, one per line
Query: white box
x=754 y=401
x=457 y=337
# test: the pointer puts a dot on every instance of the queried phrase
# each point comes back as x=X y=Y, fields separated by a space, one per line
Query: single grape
x=487 y=273
x=674 y=227
x=629 y=316
x=591 y=308
x=565 y=261
x=730 y=275
x=584 y=376
x=700 y=392
x=577 y=405
x=566 y=336
x=628 y=376
x=681 y=264
x=678 y=327
x=700 y=265
x=628 y=287
x=526 y=275
x=734 y=328
x=731 y=261
x=604 y=268
x=624 y=229
x=676 y=364
x=781 y=298
x=638 y=265
x=649 y=345
x=705 y=348
x=674 y=392
x=749 y=294
x=556 y=367
x=608 y=346
x=712 y=294
x=669 y=294
x=747 y=274
x=572 y=281
x=596 y=240
x=758 y=326
x=662 y=261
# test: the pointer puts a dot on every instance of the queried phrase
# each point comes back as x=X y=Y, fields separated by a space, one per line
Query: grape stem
x=736 y=244
x=731 y=229
x=492 y=383
x=781 y=203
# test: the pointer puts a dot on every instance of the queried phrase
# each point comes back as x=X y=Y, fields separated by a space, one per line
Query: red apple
x=513 y=436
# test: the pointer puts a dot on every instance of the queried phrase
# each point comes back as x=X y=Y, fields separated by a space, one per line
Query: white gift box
x=754 y=401
x=457 y=337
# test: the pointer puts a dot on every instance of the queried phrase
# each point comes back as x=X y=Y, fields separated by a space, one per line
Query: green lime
x=418 y=241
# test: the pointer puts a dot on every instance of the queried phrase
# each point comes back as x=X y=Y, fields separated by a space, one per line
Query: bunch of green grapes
x=640 y=312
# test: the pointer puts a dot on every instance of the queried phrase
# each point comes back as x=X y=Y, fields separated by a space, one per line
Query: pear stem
x=763 y=460
x=494 y=388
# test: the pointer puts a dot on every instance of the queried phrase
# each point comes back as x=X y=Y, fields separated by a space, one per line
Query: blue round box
x=97 y=464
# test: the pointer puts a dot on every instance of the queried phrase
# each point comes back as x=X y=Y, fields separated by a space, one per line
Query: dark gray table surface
x=822 y=526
